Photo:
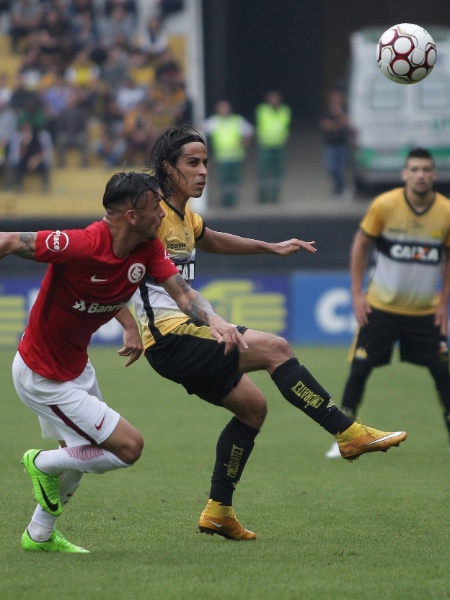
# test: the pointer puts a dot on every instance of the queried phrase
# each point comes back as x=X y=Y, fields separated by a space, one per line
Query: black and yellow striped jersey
x=410 y=250
x=156 y=311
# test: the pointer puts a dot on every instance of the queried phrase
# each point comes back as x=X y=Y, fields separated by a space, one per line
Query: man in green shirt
x=229 y=135
x=273 y=120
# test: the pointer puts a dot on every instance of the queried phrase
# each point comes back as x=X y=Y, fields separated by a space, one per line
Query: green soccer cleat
x=56 y=543
x=45 y=487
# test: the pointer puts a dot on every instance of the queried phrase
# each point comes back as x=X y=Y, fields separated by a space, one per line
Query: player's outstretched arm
x=217 y=242
x=22 y=244
x=199 y=309
x=292 y=246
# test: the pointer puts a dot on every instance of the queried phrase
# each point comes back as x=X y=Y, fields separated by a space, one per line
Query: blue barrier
x=303 y=307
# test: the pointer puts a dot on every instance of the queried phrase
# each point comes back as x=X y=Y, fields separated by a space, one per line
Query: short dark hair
x=169 y=147
x=420 y=153
x=128 y=187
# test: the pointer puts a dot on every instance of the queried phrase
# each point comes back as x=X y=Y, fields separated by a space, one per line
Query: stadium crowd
x=96 y=75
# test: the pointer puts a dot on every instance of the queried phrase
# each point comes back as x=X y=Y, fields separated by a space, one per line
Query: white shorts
x=72 y=411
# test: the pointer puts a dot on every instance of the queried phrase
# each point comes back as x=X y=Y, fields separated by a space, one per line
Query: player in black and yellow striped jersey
x=408 y=293
x=183 y=349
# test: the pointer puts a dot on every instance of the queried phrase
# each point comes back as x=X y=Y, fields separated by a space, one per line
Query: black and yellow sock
x=302 y=390
x=234 y=446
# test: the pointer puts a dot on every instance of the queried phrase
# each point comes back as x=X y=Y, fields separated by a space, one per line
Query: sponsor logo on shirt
x=187 y=271
x=96 y=308
x=57 y=241
x=415 y=253
x=136 y=272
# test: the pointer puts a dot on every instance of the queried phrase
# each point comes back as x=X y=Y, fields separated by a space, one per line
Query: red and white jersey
x=85 y=286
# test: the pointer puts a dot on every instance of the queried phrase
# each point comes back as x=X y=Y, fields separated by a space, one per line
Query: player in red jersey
x=93 y=272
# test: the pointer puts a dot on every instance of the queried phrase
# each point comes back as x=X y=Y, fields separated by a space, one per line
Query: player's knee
x=261 y=413
x=254 y=414
x=361 y=369
x=279 y=348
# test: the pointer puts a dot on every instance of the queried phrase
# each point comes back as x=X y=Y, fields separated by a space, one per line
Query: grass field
x=327 y=529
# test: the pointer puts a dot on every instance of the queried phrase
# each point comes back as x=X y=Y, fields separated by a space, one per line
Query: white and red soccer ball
x=406 y=53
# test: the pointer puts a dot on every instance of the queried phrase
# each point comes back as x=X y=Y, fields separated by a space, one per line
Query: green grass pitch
x=327 y=529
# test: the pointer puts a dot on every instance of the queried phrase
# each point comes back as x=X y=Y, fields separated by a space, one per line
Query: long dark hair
x=169 y=147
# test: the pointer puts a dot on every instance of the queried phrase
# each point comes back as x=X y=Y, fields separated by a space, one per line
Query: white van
x=390 y=118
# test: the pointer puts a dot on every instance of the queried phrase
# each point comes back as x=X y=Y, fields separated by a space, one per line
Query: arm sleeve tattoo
x=27 y=245
x=193 y=304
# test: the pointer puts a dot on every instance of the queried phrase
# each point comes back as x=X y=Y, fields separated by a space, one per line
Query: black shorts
x=189 y=355
x=420 y=341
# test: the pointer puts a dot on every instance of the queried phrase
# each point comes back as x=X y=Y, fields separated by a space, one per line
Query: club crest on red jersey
x=57 y=241
x=136 y=272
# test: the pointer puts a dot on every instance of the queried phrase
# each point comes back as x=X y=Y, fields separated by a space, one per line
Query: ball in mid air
x=406 y=53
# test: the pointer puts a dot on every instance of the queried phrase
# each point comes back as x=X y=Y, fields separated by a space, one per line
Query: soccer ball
x=406 y=53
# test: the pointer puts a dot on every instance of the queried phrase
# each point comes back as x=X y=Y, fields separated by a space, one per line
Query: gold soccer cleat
x=367 y=439
x=227 y=526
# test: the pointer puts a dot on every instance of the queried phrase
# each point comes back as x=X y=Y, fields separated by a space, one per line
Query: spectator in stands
x=62 y=6
x=110 y=144
x=5 y=89
x=130 y=8
x=30 y=151
x=55 y=99
x=153 y=39
x=67 y=50
x=230 y=134
x=31 y=67
x=84 y=31
x=169 y=101
x=167 y=66
x=273 y=120
x=34 y=113
x=8 y=122
x=4 y=16
x=25 y=16
x=117 y=28
x=78 y=7
x=113 y=72
x=51 y=29
x=129 y=95
x=51 y=64
x=21 y=94
x=70 y=129
x=140 y=68
x=139 y=133
x=84 y=74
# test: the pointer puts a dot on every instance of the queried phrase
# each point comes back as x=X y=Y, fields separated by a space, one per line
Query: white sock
x=68 y=484
x=42 y=525
x=87 y=459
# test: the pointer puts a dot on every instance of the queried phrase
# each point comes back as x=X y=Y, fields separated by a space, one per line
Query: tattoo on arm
x=28 y=245
x=195 y=305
